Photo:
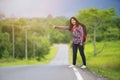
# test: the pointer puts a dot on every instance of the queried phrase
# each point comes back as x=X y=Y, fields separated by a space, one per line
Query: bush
x=43 y=47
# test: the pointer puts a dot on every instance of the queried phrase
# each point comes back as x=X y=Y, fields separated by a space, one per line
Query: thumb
x=54 y=26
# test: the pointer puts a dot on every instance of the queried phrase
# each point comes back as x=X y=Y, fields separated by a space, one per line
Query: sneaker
x=83 y=66
x=70 y=66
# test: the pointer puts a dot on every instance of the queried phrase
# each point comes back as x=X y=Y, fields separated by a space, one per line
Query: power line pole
x=26 y=48
x=13 y=41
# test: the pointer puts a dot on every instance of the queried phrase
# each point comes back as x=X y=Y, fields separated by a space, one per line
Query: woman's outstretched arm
x=61 y=27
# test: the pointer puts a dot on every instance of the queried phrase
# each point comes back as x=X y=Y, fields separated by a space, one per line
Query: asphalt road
x=56 y=70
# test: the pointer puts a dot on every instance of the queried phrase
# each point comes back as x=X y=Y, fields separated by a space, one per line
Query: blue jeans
x=81 y=50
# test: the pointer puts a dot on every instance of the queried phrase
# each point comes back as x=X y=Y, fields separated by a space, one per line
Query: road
x=57 y=69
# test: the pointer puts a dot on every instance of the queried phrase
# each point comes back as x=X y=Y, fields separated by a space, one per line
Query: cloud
x=42 y=8
x=31 y=7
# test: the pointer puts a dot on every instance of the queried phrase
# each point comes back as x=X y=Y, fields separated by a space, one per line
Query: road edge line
x=78 y=75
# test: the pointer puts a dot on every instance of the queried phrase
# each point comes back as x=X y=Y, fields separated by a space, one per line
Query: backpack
x=84 y=37
x=85 y=34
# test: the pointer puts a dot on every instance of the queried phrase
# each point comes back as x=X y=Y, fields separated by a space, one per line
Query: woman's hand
x=54 y=27
x=81 y=44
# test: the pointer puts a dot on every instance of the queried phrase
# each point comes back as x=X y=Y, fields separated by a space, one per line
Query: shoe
x=83 y=66
x=70 y=66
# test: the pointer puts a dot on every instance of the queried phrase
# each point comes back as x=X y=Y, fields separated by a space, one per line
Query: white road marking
x=78 y=75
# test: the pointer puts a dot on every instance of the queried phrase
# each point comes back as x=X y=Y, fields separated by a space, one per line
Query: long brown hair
x=77 y=24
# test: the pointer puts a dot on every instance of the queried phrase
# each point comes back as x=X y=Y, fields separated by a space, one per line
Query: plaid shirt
x=77 y=34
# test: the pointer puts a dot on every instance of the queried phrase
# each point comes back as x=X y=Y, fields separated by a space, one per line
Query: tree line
x=26 y=38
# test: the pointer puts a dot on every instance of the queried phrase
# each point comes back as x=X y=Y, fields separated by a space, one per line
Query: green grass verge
x=106 y=63
x=50 y=56
x=45 y=60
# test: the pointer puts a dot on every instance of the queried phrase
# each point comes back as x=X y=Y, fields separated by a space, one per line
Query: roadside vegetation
x=106 y=63
x=45 y=60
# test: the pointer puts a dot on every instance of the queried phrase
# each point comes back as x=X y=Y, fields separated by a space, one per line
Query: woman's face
x=73 y=21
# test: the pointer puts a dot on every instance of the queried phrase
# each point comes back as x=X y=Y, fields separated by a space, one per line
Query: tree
x=4 y=45
x=96 y=19
x=24 y=26
x=10 y=23
x=4 y=40
x=117 y=23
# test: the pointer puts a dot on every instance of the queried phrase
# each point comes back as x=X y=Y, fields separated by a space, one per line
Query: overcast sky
x=42 y=8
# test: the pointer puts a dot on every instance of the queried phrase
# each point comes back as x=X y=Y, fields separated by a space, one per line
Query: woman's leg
x=74 y=46
x=81 y=50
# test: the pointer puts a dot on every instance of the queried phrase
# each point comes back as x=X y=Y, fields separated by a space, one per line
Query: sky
x=42 y=8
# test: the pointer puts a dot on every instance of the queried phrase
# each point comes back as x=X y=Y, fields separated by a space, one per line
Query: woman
x=78 y=30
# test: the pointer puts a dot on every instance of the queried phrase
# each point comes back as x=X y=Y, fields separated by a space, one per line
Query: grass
x=50 y=56
x=45 y=60
x=106 y=63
